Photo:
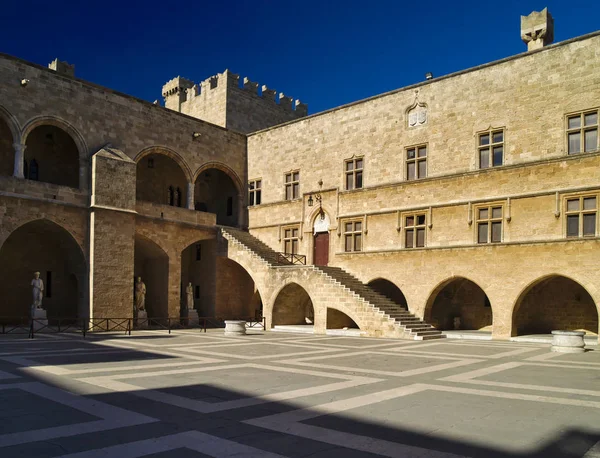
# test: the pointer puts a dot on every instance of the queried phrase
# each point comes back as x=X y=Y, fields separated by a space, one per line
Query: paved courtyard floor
x=190 y=394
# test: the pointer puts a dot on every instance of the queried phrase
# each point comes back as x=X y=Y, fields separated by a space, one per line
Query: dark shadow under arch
x=339 y=320
x=389 y=290
x=215 y=191
x=151 y=263
x=160 y=179
x=293 y=306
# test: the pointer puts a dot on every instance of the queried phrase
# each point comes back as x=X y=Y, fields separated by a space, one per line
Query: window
x=229 y=206
x=582 y=132
x=178 y=197
x=198 y=252
x=581 y=216
x=354 y=173
x=34 y=171
x=291 y=240
x=197 y=292
x=414 y=231
x=170 y=196
x=353 y=236
x=292 y=185
x=489 y=224
x=491 y=149
x=254 y=192
x=48 y=283
x=416 y=162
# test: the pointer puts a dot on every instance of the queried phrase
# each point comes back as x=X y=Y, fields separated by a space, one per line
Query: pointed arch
x=225 y=169
x=165 y=151
x=61 y=124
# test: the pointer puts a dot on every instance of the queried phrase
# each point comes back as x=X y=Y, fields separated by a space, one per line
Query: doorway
x=321 y=249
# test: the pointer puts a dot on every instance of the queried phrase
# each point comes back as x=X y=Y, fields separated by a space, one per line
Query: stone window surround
x=490 y=130
x=353 y=234
x=582 y=129
x=254 y=192
x=353 y=173
x=477 y=221
x=290 y=238
x=416 y=160
x=580 y=212
x=414 y=227
x=292 y=184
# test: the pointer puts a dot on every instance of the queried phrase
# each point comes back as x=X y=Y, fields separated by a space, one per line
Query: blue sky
x=325 y=53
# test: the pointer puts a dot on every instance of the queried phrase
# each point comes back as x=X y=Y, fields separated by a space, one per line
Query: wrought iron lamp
x=319 y=199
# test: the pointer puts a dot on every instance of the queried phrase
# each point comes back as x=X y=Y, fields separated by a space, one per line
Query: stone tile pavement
x=191 y=394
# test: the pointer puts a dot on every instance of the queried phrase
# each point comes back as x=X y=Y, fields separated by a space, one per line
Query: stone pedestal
x=141 y=321
x=192 y=317
x=40 y=319
x=235 y=328
x=568 y=341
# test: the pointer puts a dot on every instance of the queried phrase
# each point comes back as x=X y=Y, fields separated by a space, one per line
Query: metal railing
x=291 y=259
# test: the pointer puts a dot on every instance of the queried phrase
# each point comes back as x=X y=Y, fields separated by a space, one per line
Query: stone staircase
x=403 y=322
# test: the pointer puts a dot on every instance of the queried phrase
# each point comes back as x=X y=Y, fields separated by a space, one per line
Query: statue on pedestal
x=190 y=296
x=38 y=292
x=140 y=295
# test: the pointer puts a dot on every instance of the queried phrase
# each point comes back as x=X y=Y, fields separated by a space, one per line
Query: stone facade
x=426 y=176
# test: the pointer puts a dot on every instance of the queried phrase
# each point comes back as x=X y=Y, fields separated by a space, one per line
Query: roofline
x=112 y=91
x=433 y=80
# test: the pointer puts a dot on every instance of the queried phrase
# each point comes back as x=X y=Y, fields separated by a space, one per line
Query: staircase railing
x=291 y=258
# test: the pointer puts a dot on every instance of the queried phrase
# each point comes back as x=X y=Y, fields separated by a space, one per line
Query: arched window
x=170 y=196
x=34 y=171
x=178 y=196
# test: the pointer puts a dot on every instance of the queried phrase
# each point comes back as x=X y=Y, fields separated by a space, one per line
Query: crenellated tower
x=221 y=99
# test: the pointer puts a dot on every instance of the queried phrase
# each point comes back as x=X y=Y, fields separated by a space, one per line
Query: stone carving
x=417 y=116
x=38 y=292
x=140 y=295
x=190 y=296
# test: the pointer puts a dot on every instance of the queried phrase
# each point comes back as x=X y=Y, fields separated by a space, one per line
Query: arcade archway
x=7 y=152
x=151 y=263
x=293 y=306
x=216 y=192
x=389 y=290
x=161 y=180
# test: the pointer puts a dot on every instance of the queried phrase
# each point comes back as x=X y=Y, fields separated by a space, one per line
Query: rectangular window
x=198 y=252
x=416 y=162
x=353 y=236
x=291 y=240
x=229 y=206
x=489 y=224
x=491 y=149
x=354 y=173
x=292 y=185
x=197 y=292
x=414 y=231
x=254 y=192
x=582 y=132
x=48 y=286
x=581 y=213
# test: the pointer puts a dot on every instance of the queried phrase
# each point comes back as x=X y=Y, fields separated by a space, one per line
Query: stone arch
x=554 y=302
x=163 y=177
x=57 y=150
x=389 y=289
x=292 y=305
x=9 y=135
x=45 y=246
x=218 y=189
x=336 y=319
x=151 y=262
x=460 y=297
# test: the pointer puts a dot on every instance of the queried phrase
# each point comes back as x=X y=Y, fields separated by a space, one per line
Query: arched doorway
x=45 y=247
x=151 y=263
x=321 y=239
x=235 y=290
x=293 y=306
x=554 y=303
x=459 y=298
x=51 y=156
x=215 y=192
x=161 y=180
x=339 y=320
x=388 y=289
x=7 y=152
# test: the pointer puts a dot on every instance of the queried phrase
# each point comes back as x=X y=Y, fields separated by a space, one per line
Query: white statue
x=190 y=296
x=38 y=292
x=140 y=295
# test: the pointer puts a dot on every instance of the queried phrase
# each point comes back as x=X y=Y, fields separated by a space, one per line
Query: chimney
x=537 y=29
x=64 y=68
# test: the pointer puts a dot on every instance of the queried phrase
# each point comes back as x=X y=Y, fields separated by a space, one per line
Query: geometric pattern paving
x=192 y=394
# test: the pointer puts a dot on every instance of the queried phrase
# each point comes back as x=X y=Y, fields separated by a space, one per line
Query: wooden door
x=321 y=249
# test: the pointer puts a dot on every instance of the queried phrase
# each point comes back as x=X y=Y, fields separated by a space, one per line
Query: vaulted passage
x=235 y=291
x=161 y=180
x=152 y=264
x=459 y=304
x=7 y=152
x=389 y=290
x=51 y=156
x=215 y=192
x=555 y=303
x=45 y=247
x=293 y=306
x=339 y=320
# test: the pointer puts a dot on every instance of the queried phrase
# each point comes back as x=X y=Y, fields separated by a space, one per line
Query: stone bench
x=568 y=341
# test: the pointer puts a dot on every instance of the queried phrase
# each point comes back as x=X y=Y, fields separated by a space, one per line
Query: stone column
x=190 y=196
x=19 y=158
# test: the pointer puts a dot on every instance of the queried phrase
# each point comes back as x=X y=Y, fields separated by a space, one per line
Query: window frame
x=582 y=129
x=490 y=146
x=416 y=160
x=354 y=172
x=293 y=240
x=489 y=220
x=353 y=234
x=255 y=192
x=293 y=185
x=414 y=228
x=580 y=212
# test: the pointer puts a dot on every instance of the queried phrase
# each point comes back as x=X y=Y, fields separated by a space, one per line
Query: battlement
x=62 y=67
x=176 y=85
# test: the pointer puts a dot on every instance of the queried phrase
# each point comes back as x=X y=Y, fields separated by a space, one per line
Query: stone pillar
x=19 y=159
x=190 y=196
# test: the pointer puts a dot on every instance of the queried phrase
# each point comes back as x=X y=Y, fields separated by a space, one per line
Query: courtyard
x=193 y=394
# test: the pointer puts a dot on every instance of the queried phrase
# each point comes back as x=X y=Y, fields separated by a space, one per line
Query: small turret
x=537 y=29
x=62 y=67
x=175 y=92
